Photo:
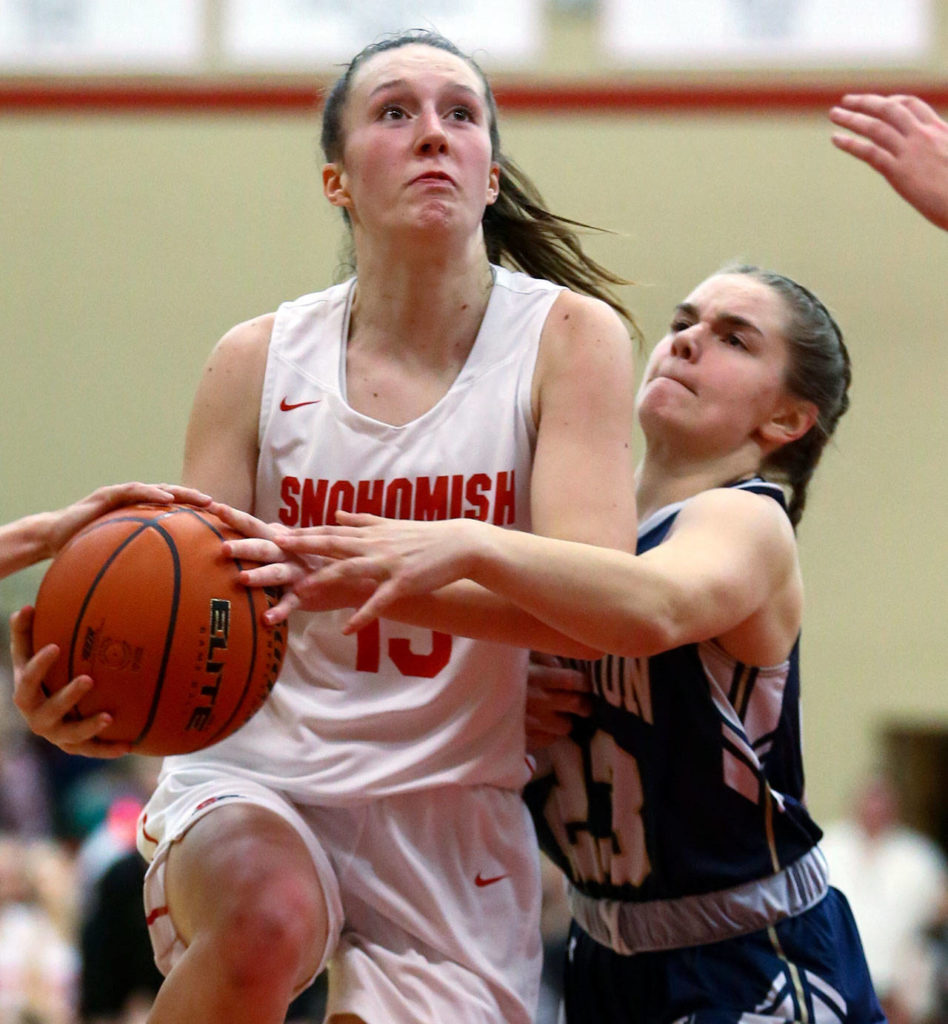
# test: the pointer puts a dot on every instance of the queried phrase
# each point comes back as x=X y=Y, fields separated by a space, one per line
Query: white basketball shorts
x=433 y=896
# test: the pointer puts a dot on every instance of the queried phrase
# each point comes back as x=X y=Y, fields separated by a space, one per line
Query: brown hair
x=818 y=371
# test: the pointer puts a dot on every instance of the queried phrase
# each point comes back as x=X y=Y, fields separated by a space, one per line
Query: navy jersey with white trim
x=687 y=777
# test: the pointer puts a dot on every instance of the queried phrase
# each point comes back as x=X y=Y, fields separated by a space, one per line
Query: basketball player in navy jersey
x=905 y=141
x=676 y=809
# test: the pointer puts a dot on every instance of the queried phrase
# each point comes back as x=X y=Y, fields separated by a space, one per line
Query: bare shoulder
x=222 y=430
x=248 y=340
x=234 y=370
x=748 y=542
x=584 y=337
x=746 y=506
x=582 y=319
x=736 y=512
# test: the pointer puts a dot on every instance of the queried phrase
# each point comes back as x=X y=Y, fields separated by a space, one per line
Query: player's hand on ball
x=555 y=695
x=383 y=559
x=54 y=718
x=68 y=521
x=277 y=567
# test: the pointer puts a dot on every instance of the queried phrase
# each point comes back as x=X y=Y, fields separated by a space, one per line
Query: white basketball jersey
x=393 y=708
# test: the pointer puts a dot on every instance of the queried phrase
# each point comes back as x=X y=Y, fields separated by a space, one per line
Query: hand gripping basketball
x=145 y=601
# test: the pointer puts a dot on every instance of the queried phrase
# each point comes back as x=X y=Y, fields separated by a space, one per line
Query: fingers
x=556 y=695
x=116 y=495
x=243 y=522
x=886 y=120
x=920 y=109
x=551 y=676
x=357 y=571
x=542 y=658
x=887 y=134
x=273 y=574
x=372 y=608
x=332 y=587
x=325 y=541
x=186 y=495
x=879 y=159
x=21 y=636
x=55 y=717
x=253 y=549
x=280 y=612
x=358 y=518
x=896 y=111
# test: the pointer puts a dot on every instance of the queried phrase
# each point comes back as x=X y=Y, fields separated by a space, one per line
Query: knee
x=243 y=889
x=272 y=930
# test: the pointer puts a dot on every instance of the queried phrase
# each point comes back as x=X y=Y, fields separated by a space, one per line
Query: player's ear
x=493 y=184
x=792 y=418
x=335 y=185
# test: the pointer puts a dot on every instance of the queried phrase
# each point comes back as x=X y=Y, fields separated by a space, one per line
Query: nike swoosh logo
x=480 y=881
x=286 y=406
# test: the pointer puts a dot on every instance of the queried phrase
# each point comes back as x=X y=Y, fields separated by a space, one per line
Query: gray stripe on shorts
x=628 y=927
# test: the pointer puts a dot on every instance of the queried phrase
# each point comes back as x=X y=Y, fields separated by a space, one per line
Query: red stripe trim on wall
x=537 y=97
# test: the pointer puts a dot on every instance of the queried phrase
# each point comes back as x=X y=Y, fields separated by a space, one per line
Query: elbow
x=662 y=628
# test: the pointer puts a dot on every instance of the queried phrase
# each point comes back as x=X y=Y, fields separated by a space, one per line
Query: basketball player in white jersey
x=371 y=814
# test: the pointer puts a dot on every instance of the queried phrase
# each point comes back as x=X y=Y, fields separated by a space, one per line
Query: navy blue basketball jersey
x=687 y=777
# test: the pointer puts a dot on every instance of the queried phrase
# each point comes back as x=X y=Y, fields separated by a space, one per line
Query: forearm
x=509 y=586
x=606 y=599
x=24 y=542
x=468 y=609
x=725 y=558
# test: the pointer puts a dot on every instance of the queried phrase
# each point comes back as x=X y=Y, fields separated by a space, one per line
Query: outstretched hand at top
x=905 y=141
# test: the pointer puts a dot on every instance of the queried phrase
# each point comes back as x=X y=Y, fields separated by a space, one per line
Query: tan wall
x=128 y=244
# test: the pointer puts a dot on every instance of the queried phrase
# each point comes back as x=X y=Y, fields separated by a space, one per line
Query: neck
x=661 y=481
x=424 y=297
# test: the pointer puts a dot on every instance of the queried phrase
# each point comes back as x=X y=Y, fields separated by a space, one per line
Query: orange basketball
x=145 y=602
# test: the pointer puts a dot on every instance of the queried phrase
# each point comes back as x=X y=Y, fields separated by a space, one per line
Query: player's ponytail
x=818 y=371
x=519 y=230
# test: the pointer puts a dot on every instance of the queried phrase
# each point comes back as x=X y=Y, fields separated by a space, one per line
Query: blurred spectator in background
x=937 y=937
x=118 y=979
x=25 y=805
x=38 y=962
x=895 y=880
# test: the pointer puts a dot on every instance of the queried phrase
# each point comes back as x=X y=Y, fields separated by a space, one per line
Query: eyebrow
x=728 y=319
x=395 y=83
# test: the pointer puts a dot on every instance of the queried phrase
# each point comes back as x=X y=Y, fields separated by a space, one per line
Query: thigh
x=220 y=845
x=238 y=853
x=441 y=894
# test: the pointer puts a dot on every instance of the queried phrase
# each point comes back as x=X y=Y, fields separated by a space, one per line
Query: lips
x=432 y=177
x=677 y=380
